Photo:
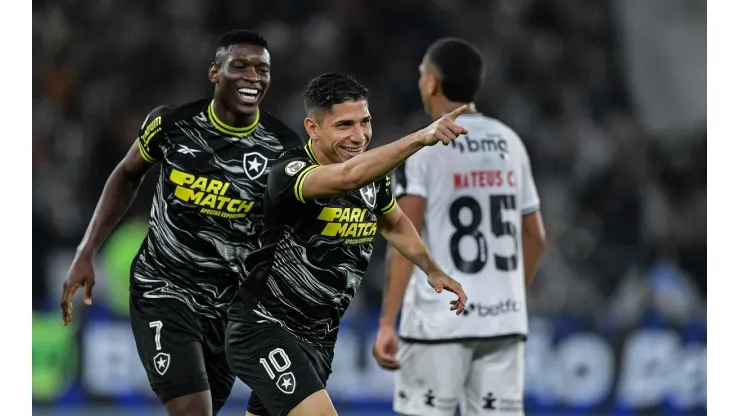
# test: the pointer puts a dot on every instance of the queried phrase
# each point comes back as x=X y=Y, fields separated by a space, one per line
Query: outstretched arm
x=365 y=168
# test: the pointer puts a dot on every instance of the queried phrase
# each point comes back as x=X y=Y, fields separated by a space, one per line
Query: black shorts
x=281 y=369
x=182 y=352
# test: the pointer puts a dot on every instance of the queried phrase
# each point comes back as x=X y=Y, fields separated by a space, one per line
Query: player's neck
x=318 y=154
x=449 y=106
x=232 y=119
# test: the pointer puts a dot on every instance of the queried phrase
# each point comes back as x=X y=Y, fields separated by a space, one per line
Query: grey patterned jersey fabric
x=207 y=209
x=314 y=252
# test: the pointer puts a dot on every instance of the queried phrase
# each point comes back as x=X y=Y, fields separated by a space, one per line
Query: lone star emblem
x=286 y=383
x=368 y=195
x=254 y=164
x=162 y=363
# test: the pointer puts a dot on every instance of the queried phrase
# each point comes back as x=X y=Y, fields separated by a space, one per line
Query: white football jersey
x=477 y=190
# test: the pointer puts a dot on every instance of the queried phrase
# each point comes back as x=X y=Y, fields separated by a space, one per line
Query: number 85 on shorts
x=280 y=369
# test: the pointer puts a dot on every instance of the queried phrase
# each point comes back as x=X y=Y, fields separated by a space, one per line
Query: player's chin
x=246 y=109
x=247 y=105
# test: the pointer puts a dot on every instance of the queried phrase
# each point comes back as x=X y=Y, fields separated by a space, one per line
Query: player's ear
x=434 y=85
x=311 y=126
x=213 y=73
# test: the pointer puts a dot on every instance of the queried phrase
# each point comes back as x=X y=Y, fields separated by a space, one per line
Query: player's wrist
x=418 y=140
x=431 y=269
x=85 y=253
x=387 y=322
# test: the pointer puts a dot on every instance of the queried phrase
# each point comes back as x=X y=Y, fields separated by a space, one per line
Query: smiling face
x=341 y=133
x=241 y=75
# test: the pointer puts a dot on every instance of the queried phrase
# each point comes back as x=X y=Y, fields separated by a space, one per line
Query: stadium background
x=609 y=97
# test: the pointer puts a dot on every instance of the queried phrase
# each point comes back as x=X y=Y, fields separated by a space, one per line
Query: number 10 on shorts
x=277 y=362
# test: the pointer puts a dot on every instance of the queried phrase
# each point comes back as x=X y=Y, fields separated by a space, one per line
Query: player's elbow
x=128 y=175
x=539 y=240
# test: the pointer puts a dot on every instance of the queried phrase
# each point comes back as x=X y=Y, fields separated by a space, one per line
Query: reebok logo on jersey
x=493 y=143
x=187 y=151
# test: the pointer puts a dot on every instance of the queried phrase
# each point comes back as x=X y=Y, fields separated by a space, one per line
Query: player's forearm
x=533 y=244
x=533 y=249
x=116 y=198
x=399 y=274
x=374 y=164
x=403 y=237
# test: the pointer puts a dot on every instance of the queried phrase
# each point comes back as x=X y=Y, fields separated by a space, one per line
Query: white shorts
x=482 y=377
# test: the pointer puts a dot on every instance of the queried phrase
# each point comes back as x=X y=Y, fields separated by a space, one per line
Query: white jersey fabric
x=477 y=190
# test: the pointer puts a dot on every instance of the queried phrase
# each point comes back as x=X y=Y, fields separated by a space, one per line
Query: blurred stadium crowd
x=612 y=119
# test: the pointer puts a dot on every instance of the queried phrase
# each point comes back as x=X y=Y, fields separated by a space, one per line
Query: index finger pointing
x=459 y=110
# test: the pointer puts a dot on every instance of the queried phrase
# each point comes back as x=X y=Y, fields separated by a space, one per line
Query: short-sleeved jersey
x=207 y=209
x=477 y=191
x=314 y=252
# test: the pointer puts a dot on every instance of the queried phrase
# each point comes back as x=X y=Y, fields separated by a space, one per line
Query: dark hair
x=332 y=88
x=460 y=67
x=236 y=37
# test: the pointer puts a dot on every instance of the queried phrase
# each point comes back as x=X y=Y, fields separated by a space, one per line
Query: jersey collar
x=233 y=131
x=310 y=153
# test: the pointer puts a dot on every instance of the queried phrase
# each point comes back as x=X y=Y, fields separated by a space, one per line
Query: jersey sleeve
x=152 y=136
x=530 y=198
x=385 y=201
x=410 y=177
x=287 y=177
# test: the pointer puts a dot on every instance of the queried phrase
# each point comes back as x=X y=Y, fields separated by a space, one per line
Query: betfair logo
x=209 y=194
x=348 y=223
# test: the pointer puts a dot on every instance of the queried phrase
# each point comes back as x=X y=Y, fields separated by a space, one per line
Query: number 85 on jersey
x=485 y=229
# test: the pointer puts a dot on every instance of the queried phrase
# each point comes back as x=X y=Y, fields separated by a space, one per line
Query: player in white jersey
x=477 y=207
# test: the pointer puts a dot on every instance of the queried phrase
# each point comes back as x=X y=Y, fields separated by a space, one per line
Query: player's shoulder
x=294 y=153
x=290 y=162
x=287 y=136
x=503 y=130
x=166 y=115
x=496 y=125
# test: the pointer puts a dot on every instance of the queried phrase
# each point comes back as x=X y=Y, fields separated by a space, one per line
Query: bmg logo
x=501 y=308
x=492 y=143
